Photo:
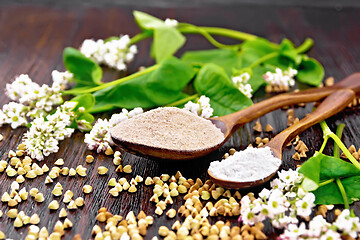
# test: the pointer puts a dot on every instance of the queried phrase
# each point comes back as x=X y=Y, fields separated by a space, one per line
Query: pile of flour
x=169 y=128
x=245 y=166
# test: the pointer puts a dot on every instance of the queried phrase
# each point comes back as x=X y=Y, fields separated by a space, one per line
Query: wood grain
x=32 y=40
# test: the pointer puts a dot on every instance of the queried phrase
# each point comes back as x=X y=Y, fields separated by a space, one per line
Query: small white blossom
x=115 y=53
x=280 y=77
x=124 y=115
x=293 y=232
x=33 y=100
x=330 y=235
x=171 y=22
x=13 y=113
x=201 y=108
x=43 y=136
x=347 y=224
x=304 y=206
x=61 y=79
x=99 y=137
x=241 y=83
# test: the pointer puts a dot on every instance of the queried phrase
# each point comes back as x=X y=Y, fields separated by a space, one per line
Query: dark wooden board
x=32 y=40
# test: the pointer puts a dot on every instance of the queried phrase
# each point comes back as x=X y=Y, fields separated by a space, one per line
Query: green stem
x=182 y=101
x=343 y=193
x=329 y=133
x=326 y=182
x=113 y=83
x=191 y=29
x=339 y=132
x=305 y=46
x=326 y=138
x=230 y=33
x=264 y=59
x=139 y=37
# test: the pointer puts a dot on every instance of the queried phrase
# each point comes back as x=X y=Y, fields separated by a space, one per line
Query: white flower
x=330 y=235
x=15 y=114
x=282 y=221
x=280 y=77
x=265 y=193
x=241 y=83
x=35 y=100
x=99 y=137
x=347 y=224
x=293 y=232
x=201 y=108
x=171 y=22
x=20 y=87
x=115 y=53
x=318 y=225
x=124 y=115
x=43 y=136
x=277 y=202
x=305 y=205
x=61 y=79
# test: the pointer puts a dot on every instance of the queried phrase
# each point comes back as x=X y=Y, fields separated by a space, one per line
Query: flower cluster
x=171 y=22
x=115 y=53
x=282 y=204
x=241 y=82
x=201 y=108
x=280 y=78
x=30 y=100
x=319 y=228
x=99 y=137
x=43 y=136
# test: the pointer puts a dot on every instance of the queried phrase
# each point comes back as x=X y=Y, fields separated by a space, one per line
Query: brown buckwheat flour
x=169 y=128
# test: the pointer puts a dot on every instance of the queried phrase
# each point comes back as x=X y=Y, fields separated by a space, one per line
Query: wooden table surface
x=32 y=39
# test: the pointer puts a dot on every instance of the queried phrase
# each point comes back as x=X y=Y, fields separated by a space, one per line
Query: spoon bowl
x=332 y=105
x=230 y=123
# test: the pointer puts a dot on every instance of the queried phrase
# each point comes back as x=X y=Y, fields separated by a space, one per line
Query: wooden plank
x=32 y=40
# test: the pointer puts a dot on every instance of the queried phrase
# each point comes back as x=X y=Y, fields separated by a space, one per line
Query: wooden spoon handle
x=332 y=105
x=235 y=120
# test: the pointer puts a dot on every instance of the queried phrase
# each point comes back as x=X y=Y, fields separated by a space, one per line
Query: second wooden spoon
x=333 y=104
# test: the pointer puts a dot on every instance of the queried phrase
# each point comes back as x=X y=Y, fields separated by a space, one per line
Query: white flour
x=245 y=166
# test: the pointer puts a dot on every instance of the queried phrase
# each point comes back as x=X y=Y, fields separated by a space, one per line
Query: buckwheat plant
x=201 y=108
x=241 y=83
x=99 y=137
x=44 y=135
x=281 y=78
x=346 y=224
x=30 y=100
x=115 y=53
x=282 y=204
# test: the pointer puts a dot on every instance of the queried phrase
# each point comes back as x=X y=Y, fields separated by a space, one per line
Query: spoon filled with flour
x=177 y=134
x=255 y=166
x=169 y=133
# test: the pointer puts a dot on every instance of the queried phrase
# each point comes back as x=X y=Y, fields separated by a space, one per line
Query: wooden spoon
x=330 y=106
x=230 y=123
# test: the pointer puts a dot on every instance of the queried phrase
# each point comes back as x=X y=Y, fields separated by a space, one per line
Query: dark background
x=34 y=34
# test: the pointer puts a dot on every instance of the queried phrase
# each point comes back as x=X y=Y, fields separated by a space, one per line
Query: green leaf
x=320 y=168
x=287 y=50
x=311 y=168
x=86 y=71
x=225 y=98
x=310 y=71
x=86 y=100
x=330 y=193
x=157 y=88
x=167 y=40
x=146 y=21
x=225 y=58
